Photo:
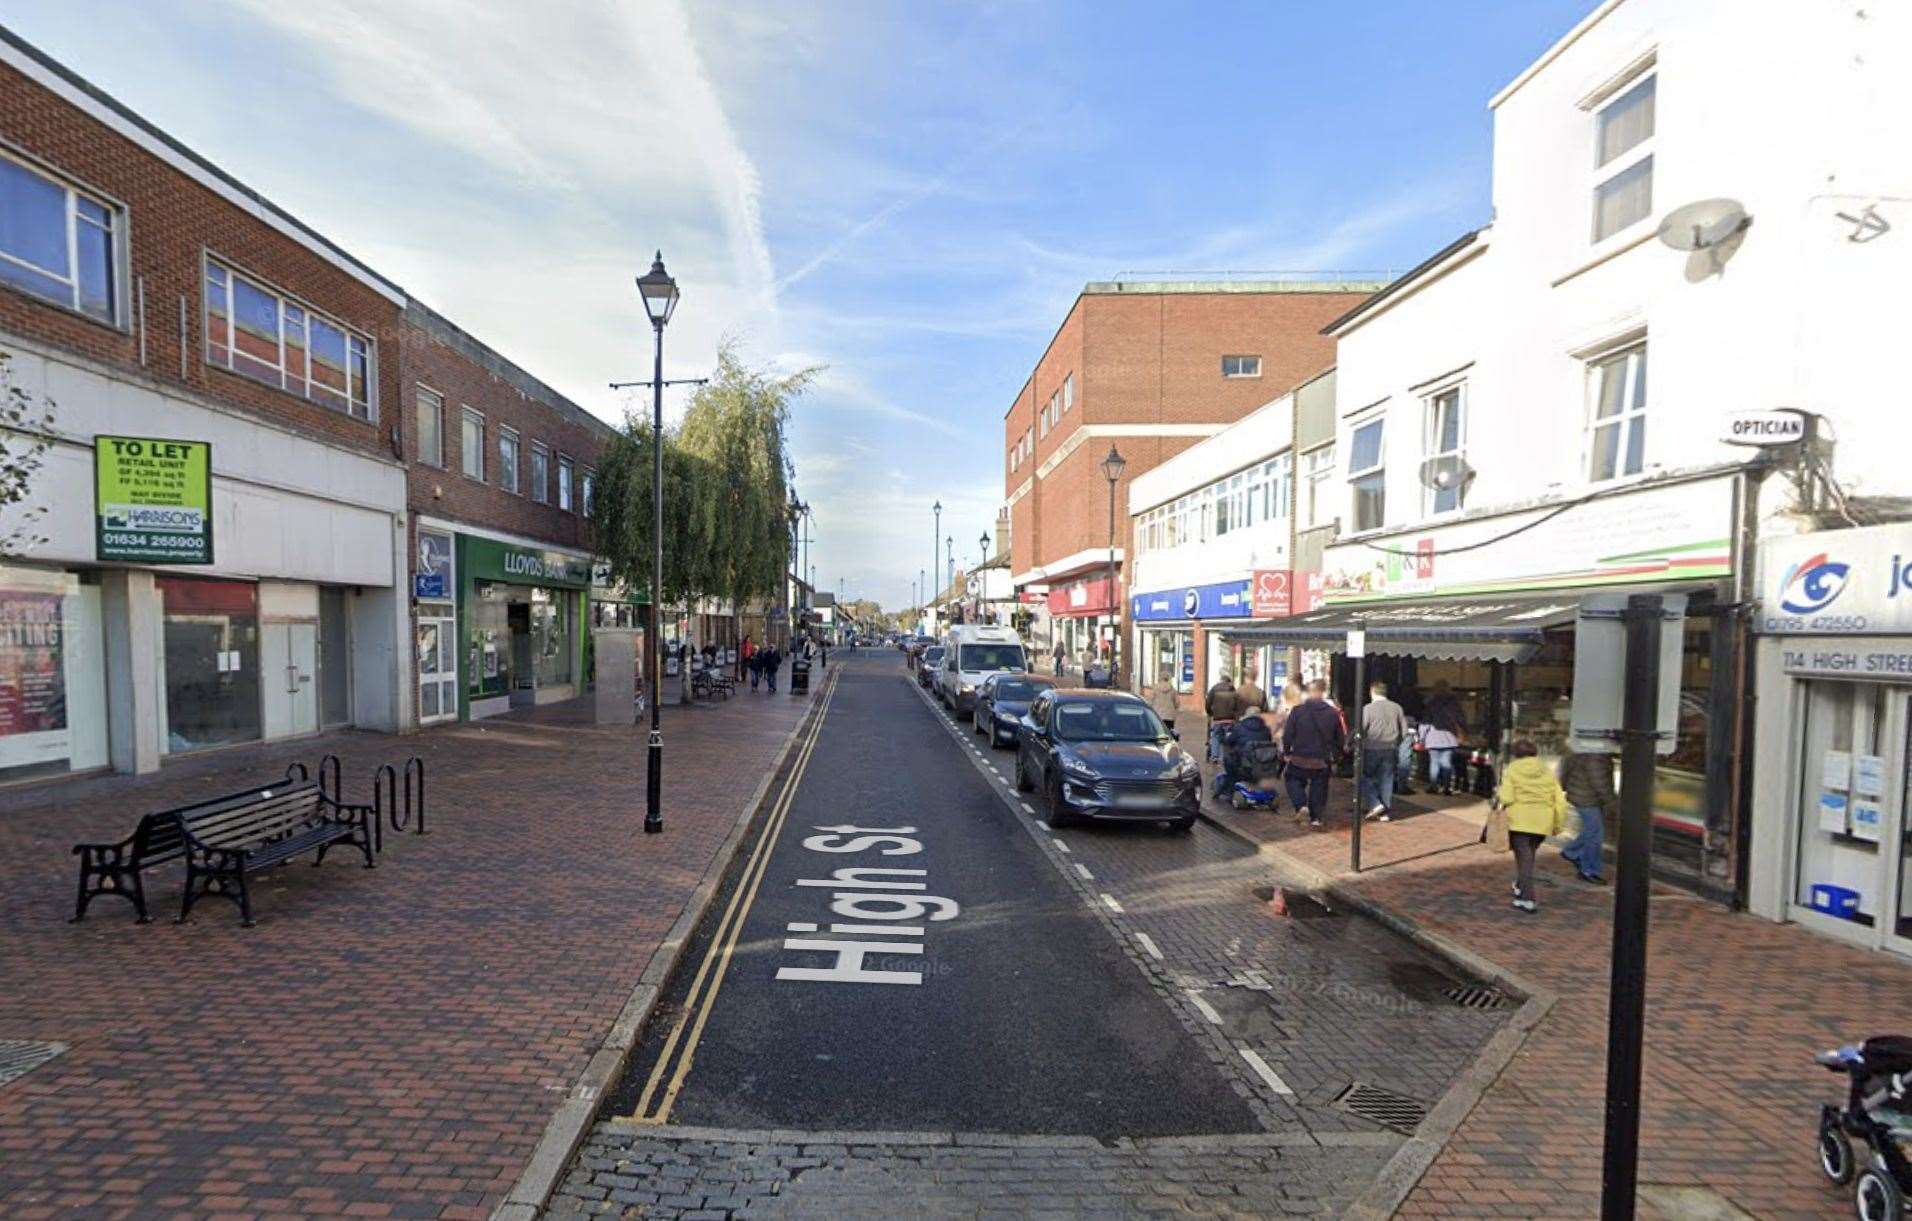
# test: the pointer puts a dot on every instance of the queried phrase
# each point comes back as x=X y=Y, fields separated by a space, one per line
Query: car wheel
x=1058 y=813
x=1877 y=1197
x=1022 y=777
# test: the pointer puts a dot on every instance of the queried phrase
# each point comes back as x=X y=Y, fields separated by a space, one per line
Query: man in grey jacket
x=1383 y=727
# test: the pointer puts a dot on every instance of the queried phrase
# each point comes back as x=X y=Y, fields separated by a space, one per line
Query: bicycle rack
x=410 y=815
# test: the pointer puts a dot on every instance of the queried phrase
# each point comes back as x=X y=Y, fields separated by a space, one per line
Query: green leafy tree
x=727 y=475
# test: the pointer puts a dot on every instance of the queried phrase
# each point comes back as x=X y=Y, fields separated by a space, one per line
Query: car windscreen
x=1107 y=721
x=1017 y=690
x=975 y=657
x=935 y=654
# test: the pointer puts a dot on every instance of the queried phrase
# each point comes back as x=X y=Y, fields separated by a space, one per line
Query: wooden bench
x=222 y=840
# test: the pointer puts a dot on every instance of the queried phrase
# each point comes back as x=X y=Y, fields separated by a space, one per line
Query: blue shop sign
x=1226 y=600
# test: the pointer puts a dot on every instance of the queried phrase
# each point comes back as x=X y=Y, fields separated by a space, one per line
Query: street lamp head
x=659 y=292
x=984 y=540
x=937 y=507
x=1113 y=465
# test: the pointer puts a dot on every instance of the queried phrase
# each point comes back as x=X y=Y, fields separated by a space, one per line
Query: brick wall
x=172 y=221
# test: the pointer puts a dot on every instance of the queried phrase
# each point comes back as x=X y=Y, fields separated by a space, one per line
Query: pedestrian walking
x=1536 y=807
x=1061 y=656
x=1383 y=729
x=1312 y=738
x=772 y=661
x=1587 y=779
x=1248 y=696
x=1442 y=728
x=1223 y=705
x=755 y=665
x=746 y=651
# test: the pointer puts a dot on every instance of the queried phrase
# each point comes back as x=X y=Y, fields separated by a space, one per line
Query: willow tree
x=727 y=478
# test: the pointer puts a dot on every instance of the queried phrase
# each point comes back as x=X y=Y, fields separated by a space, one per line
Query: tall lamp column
x=659 y=292
x=1112 y=467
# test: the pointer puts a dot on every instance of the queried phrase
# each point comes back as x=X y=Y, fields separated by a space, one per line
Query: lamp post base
x=654 y=784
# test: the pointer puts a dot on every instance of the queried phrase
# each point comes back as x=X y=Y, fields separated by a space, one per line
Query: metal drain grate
x=1475 y=996
x=1385 y=1107
x=18 y=1057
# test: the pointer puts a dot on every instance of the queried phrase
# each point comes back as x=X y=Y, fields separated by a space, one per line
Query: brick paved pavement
x=1736 y=1006
x=387 y=1042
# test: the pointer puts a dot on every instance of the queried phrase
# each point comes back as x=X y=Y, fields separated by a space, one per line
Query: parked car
x=1001 y=701
x=972 y=653
x=1105 y=755
x=927 y=663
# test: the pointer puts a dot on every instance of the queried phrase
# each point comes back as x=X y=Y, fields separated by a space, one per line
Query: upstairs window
x=540 y=473
x=1617 y=385
x=57 y=243
x=587 y=492
x=564 y=483
x=431 y=427
x=1367 y=475
x=507 y=459
x=473 y=451
x=1068 y=392
x=253 y=330
x=1446 y=439
x=1241 y=366
x=1623 y=160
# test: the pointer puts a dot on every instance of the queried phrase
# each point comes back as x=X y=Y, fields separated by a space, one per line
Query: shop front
x=1832 y=830
x=1451 y=610
x=520 y=610
x=1182 y=650
x=1084 y=616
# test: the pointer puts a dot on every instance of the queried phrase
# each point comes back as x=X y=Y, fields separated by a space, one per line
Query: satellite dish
x=1705 y=225
x=1446 y=472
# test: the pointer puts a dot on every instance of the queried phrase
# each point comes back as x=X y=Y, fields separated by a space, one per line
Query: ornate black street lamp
x=659 y=292
x=1112 y=468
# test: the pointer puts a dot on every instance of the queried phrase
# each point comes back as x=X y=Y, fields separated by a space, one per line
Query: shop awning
x=1508 y=628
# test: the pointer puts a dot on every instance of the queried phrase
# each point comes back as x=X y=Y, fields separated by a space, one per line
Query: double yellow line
x=654 y=1104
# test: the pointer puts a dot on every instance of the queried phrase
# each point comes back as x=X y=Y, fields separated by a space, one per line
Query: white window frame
x=468 y=415
x=540 y=480
x=1317 y=472
x=1068 y=392
x=1632 y=417
x=358 y=345
x=509 y=473
x=1379 y=468
x=117 y=254
x=567 y=478
x=1277 y=486
x=587 y=490
x=1241 y=366
x=420 y=391
x=1430 y=441
x=1637 y=157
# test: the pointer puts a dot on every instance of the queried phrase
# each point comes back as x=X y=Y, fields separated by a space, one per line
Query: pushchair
x=1251 y=765
x=1878 y=1112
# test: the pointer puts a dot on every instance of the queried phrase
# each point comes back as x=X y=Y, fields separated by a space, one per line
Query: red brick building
x=1149 y=368
x=148 y=295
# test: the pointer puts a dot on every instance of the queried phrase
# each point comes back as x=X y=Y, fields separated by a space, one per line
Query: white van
x=973 y=653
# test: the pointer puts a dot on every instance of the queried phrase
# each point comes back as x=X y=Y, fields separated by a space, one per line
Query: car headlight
x=1077 y=768
x=967 y=687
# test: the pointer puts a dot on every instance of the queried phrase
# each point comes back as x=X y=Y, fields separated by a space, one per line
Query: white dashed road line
x=1148 y=943
x=1113 y=906
x=1207 y=1010
x=1267 y=1074
x=1086 y=875
x=1026 y=807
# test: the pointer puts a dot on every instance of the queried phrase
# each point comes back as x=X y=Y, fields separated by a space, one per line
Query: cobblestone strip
x=691 y=1173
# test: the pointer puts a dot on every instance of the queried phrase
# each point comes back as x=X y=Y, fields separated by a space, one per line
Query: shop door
x=1853 y=873
x=289 y=658
x=437 y=664
x=335 y=660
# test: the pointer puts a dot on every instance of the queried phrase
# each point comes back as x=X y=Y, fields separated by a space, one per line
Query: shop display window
x=52 y=674
x=209 y=655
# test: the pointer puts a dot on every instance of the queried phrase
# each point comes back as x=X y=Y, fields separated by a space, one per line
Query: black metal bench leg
x=187 y=896
x=139 y=898
x=79 y=904
x=245 y=902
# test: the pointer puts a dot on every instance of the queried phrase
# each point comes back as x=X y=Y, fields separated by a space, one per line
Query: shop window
x=553 y=630
x=253 y=330
x=58 y=243
x=1846 y=781
x=1619 y=414
x=210 y=658
x=52 y=674
x=1367 y=476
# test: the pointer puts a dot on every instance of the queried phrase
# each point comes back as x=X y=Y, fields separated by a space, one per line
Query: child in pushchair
x=1878 y=1111
x=1251 y=765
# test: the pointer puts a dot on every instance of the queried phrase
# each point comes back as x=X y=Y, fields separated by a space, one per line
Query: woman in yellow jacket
x=1536 y=807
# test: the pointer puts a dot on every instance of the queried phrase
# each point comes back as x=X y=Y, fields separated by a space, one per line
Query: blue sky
x=909 y=194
